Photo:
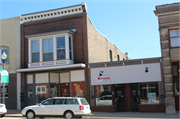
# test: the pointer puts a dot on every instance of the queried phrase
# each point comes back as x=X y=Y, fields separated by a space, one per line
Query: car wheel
x=30 y=114
x=2 y=115
x=68 y=115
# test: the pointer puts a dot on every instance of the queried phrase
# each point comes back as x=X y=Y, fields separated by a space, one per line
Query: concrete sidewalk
x=102 y=115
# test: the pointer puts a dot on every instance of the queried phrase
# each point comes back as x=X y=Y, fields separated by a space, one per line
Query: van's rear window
x=84 y=102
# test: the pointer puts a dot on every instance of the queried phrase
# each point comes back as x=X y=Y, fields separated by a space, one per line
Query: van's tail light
x=81 y=107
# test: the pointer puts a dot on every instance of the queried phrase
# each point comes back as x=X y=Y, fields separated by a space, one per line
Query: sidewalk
x=114 y=115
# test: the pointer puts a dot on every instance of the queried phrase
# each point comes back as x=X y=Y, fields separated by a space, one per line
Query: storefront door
x=120 y=97
x=134 y=97
x=30 y=95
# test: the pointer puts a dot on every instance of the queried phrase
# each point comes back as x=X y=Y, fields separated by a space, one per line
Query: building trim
x=71 y=66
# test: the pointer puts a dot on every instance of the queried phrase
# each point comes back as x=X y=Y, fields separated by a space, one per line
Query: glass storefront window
x=176 y=87
x=54 y=90
x=41 y=92
x=103 y=95
x=65 y=90
x=149 y=93
x=78 y=89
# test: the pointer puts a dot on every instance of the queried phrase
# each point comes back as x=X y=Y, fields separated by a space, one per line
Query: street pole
x=3 y=84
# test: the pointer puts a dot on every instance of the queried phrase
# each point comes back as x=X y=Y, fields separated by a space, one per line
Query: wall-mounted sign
x=4 y=77
x=126 y=74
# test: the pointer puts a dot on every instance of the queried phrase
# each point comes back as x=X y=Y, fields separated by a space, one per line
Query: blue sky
x=131 y=25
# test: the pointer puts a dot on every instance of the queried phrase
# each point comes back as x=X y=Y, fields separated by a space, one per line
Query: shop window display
x=149 y=93
x=78 y=89
x=54 y=92
x=41 y=92
x=65 y=90
x=103 y=95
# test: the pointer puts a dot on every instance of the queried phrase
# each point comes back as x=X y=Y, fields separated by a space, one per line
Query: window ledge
x=50 y=63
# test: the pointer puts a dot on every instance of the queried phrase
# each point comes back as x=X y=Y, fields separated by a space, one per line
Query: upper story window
x=50 y=48
x=35 y=50
x=61 y=50
x=1 y=52
x=118 y=57
x=174 y=36
x=110 y=54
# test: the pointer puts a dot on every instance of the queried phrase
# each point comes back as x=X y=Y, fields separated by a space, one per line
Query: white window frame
x=66 y=35
x=172 y=37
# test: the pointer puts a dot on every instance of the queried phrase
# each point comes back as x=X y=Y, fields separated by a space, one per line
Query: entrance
x=30 y=95
x=120 y=97
x=134 y=97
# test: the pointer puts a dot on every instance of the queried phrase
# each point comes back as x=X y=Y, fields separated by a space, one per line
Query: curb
x=13 y=115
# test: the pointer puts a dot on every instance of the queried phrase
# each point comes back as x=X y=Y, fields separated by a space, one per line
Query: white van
x=69 y=107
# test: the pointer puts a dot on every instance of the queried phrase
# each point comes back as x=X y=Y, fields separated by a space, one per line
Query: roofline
x=133 y=60
x=50 y=10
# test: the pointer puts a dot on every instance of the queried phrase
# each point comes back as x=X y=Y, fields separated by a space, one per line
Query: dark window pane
x=47 y=56
x=47 y=102
x=35 y=57
x=71 y=101
x=70 y=55
x=84 y=102
x=61 y=54
x=60 y=42
x=59 y=102
x=110 y=54
x=69 y=43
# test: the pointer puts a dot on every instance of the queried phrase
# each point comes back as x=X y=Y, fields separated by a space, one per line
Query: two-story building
x=56 y=47
x=169 y=30
x=10 y=44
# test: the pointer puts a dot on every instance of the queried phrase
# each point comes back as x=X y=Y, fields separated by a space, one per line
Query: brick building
x=169 y=30
x=56 y=48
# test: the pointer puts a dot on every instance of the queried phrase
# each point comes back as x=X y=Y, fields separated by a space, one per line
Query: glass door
x=30 y=95
x=134 y=97
x=120 y=97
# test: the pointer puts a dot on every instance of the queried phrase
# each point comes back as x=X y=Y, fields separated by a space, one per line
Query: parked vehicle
x=104 y=100
x=3 y=110
x=69 y=107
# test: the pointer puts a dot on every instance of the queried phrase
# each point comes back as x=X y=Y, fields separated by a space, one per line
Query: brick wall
x=99 y=46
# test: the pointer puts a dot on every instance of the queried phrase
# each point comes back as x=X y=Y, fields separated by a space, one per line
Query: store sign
x=4 y=77
x=102 y=78
x=126 y=74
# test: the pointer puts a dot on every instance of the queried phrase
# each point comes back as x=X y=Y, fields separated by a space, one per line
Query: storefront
x=134 y=85
x=53 y=83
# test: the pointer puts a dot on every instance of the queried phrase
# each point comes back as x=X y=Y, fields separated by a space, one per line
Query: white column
x=29 y=42
x=54 y=49
x=67 y=46
x=40 y=50
x=72 y=48
x=18 y=91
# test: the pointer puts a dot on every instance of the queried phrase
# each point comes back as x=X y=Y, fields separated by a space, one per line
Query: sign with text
x=150 y=72
x=4 y=77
